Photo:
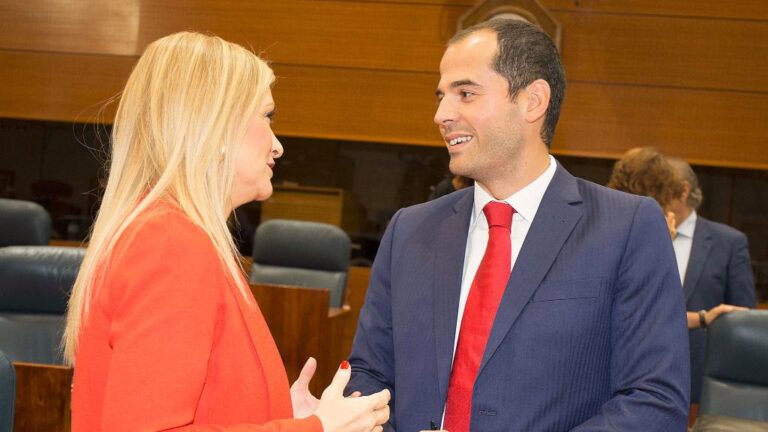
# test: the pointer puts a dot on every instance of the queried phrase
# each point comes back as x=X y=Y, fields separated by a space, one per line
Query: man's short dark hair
x=526 y=53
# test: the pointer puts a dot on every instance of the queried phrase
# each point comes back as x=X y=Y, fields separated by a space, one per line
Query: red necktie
x=480 y=311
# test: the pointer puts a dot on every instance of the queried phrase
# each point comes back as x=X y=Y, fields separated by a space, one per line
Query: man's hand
x=716 y=311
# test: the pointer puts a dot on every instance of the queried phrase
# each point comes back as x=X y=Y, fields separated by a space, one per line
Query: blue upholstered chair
x=735 y=386
x=35 y=283
x=23 y=223
x=305 y=254
x=7 y=393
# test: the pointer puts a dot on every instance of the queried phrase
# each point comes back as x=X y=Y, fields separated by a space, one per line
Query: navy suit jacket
x=590 y=334
x=719 y=271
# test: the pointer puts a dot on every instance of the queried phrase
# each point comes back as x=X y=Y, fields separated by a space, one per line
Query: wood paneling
x=82 y=26
x=397 y=107
x=302 y=325
x=63 y=87
x=662 y=51
x=647 y=50
x=439 y=2
x=684 y=76
x=731 y=9
x=43 y=397
x=388 y=36
x=706 y=127
x=355 y=104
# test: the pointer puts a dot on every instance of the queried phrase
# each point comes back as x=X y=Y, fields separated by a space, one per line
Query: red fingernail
x=345 y=364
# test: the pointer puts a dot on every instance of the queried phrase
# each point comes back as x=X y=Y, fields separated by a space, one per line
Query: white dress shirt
x=525 y=202
x=683 y=243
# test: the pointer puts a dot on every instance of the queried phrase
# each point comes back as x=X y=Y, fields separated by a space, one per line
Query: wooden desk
x=68 y=243
x=304 y=326
x=43 y=397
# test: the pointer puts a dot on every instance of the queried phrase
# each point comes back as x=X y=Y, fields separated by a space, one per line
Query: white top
x=683 y=243
x=525 y=202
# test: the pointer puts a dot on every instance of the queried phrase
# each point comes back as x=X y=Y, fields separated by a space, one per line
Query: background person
x=715 y=268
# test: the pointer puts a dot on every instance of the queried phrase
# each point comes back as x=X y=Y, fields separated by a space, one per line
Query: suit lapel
x=448 y=271
x=553 y=223
x=265 y=347
x=702 y=245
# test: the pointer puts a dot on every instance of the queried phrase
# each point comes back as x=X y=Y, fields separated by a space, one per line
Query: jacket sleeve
x=741 y=288
x=649 y=360
x=165 y=304
x=372 y=358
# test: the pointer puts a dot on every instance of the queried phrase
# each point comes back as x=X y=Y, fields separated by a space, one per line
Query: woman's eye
x=271 y=116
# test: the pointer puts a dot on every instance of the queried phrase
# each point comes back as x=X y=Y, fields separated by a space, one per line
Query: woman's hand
x=304 y=403
x=352 y=414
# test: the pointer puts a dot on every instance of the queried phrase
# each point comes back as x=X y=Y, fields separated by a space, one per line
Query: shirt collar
x=688 y=226
x=525 y=201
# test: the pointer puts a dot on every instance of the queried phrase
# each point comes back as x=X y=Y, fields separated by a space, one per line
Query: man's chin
x=459 y=169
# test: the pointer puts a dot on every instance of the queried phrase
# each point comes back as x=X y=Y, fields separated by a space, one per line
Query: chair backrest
x=7 y=393
x=736 y=367
x=23 y=223
x=305 y=254
x=35 y=283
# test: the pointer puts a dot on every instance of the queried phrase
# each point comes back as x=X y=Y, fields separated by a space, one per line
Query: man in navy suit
x=714 y=266
x=587 y=332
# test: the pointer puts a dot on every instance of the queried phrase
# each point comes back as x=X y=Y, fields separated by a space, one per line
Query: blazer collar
x=556 y=217
x=269 y=356
x=700 y=249
x=448 y=269
x=558 y=214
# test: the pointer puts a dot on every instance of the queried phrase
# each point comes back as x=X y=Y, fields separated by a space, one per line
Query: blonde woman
x=162 y=329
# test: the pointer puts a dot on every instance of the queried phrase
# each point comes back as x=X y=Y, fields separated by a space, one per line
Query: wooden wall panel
x=388 y=36
x=709 y=127
x=64 y=87
x=706 y=127
x=440 y=2
x=731 y=9
x=355 y=104
x=664 y=51
x=683 y=75
x=634 y=49
x=109 y=27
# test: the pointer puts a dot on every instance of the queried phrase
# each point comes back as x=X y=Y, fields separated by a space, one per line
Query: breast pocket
x=568 y=290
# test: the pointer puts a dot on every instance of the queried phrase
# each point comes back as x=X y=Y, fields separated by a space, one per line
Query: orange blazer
x=171 y=344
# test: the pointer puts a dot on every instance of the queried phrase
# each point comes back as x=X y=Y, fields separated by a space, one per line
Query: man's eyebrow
x=465 y=82
x=460 y=83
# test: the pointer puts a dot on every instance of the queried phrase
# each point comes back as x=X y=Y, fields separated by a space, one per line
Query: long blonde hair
x=183 y=111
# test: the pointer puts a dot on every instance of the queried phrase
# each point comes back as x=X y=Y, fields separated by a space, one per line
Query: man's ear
x=538 y=93
x=686 y=191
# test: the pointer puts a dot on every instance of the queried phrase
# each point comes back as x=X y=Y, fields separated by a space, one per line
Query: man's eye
x=466 y=94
